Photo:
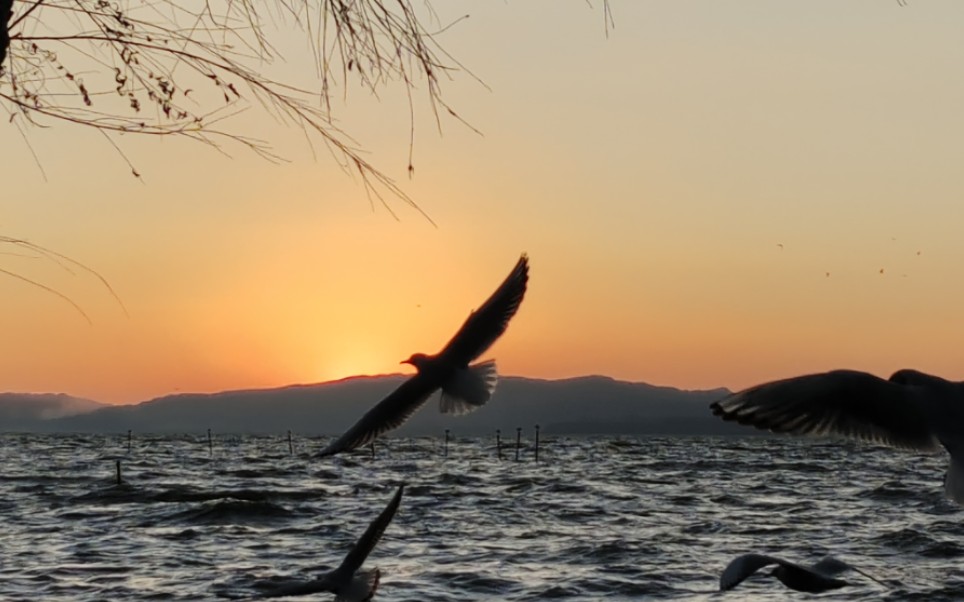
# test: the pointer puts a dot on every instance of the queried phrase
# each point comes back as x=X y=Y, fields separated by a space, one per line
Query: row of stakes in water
x=445 y=448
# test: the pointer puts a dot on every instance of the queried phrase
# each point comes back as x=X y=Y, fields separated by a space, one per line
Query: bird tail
x=469 y=389
x=362 y=587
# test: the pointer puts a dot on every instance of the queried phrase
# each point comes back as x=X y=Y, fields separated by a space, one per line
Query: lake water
x=597 y=518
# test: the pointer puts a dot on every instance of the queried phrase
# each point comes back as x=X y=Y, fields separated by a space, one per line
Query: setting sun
x=708 y=216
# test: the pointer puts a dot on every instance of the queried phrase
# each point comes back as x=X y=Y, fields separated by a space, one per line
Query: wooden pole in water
x=210 y=443
x=119 y=480
x=537 y=443
x=372 y=447
x=128 y=441
x=291 y=448
x=498 y=443
x=445 y=450
x=518 y=441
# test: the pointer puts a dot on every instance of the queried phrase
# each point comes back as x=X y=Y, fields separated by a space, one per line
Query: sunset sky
x=715 y=194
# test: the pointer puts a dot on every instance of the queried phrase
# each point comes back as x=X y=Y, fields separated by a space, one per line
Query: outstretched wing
x=842 y=402
x=366 y=543
x=488 y=322
x=831 y=567
x=390 y=413
x=742 y=567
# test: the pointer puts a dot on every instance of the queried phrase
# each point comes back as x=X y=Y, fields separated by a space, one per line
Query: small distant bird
x=780 y=245
x=815 y=579
x=911 y=410
x=881 y=270
x=346 y=582
x=464 y=388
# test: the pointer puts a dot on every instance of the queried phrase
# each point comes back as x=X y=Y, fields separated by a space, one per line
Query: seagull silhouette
x=464 y=388
x=817 y=578
x=346 y=582
x=911 y=410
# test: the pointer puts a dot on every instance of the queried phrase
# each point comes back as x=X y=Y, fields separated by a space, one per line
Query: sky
x=711 y=195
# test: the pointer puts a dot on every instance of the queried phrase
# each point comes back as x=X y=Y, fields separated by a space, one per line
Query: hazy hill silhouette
x=21 y=411
x=592 y=404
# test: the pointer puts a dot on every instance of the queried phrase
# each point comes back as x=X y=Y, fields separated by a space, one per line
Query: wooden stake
x=537 y=443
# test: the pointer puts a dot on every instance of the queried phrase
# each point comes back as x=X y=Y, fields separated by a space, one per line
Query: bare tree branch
x=186 y=67
x=182 y=67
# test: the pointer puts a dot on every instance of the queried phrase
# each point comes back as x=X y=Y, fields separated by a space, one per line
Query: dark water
x=598 y=518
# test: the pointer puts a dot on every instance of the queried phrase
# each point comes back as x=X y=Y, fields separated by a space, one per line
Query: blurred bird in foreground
x=910 y=410
x=346 y=582
x=817 y=578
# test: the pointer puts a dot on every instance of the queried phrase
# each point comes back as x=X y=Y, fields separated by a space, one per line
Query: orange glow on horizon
x=716 y=210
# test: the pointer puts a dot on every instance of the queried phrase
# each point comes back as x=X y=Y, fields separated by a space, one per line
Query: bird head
x=418 y=360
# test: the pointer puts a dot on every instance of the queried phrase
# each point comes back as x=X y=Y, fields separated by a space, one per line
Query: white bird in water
x=347 y=582
x=911 y=410
x=814 y=579
x=464 y=388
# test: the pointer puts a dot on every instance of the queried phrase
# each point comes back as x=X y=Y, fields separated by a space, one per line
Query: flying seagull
x=818 y=578
x=464 y=387
x=911 y=410
x=347 y=582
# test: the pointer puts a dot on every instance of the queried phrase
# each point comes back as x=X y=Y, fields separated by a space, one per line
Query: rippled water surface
x=614 y=518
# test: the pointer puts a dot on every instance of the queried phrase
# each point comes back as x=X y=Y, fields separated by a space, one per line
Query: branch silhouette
x=184 y=69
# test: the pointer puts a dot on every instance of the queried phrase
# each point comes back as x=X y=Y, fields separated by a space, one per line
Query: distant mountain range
x=585 y=405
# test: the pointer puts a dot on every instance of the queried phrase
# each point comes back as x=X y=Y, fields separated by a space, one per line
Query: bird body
x=465 y=387
x=910 y=410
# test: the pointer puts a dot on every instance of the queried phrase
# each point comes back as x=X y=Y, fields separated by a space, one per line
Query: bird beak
x=408 y=361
